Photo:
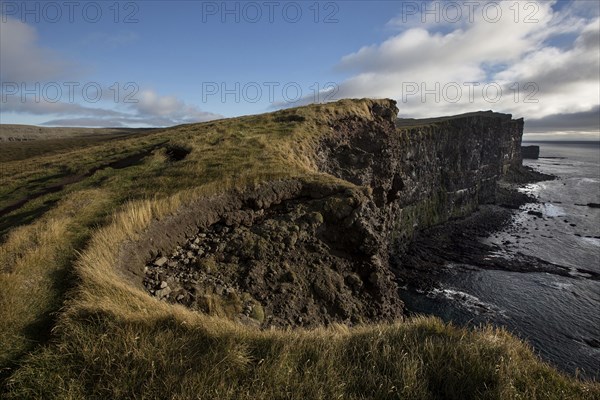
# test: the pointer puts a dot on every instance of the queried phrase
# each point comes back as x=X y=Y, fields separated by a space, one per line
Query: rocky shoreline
x=461 y=242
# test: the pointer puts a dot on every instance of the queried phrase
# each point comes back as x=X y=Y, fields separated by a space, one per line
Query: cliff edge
x=319 y=249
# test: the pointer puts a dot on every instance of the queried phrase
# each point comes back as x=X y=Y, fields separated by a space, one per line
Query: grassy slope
x=15 y=132
x=111 y=340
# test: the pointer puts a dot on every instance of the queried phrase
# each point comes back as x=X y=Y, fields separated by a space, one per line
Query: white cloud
x=151 y=103
x=145 y=108
x=150 y=110
x=506 y=52
x=168 y=108
x=23 y=59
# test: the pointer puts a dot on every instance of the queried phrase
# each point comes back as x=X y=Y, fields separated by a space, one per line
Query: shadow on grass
x=23 y=218
x=39 y=332
x=130 y=160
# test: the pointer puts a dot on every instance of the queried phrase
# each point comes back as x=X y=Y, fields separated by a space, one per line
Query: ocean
x=558 y=315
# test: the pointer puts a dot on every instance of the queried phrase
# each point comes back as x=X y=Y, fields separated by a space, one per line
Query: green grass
x=73 y=327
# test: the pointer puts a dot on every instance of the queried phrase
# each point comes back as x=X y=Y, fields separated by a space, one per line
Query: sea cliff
x=307 y=252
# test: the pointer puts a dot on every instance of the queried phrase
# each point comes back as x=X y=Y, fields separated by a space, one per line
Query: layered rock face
x=422 y=175
x=300 y=253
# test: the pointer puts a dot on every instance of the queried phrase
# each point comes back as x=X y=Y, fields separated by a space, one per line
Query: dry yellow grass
x=112 y=340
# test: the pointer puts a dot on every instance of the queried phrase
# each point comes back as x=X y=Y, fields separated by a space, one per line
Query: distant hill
x=16 y=133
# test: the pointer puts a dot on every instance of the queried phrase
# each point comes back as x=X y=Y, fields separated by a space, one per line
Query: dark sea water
x=558 y=315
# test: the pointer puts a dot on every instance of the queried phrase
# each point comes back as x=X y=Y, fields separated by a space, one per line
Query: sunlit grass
x=110 y=339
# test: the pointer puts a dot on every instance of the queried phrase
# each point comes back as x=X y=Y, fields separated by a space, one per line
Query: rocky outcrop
x=305 y=253
x=531 y=152
x=301 y=260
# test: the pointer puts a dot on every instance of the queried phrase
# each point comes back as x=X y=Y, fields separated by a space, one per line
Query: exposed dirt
x=288 y=265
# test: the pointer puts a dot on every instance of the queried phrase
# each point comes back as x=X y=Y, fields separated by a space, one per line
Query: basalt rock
x=301 y=252
x=531 y=152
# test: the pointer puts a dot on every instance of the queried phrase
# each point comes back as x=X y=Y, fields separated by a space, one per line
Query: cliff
x=301 y=217
x=310 y=251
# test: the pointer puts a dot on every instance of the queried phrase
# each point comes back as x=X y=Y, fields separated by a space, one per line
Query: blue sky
x=175 y=58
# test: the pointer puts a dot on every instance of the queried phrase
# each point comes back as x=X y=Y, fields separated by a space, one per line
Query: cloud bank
x=542 y=65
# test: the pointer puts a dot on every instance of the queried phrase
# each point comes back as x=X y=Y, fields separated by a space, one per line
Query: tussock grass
x=33 y=274
x=110 y=339
x=101 y=355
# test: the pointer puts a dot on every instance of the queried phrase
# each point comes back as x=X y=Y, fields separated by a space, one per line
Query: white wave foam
x=558 y=285
x=551 y=210
x=468 y=301
x=591 y=241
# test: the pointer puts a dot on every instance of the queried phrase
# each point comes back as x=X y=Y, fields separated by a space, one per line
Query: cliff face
x=305 y=252
x=422 y=175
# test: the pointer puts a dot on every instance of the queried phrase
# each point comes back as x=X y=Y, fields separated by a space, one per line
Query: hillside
x=21 y=133
x=19 y=142
x=297 y=217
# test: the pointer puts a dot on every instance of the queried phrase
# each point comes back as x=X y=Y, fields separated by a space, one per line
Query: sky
x=159 y=63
